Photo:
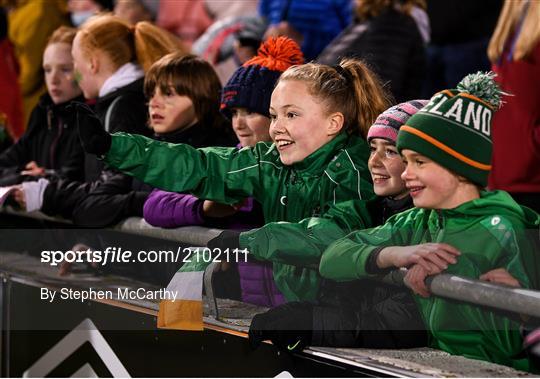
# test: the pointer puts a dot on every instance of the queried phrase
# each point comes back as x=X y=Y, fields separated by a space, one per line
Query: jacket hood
x=497 y=203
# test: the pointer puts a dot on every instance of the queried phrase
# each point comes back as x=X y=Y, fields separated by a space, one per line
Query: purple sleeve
x=170 y=209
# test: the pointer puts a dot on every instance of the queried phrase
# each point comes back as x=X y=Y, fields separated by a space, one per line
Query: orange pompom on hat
x=252 y=84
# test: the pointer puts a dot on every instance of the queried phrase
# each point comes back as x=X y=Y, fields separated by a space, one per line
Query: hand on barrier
x=288 y=326
x=94 y=138
x=500 y=276
x=415 y=280
x=434 y=257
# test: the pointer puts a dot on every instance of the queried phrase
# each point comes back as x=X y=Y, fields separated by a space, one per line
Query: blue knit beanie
x=252 y=84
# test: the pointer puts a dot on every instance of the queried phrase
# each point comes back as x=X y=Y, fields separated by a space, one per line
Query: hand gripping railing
x=511 y=299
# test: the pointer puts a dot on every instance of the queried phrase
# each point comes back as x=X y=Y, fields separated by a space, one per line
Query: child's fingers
x=417 y=259
x=448 y=248
x=33 y=172
x=428 y=266
x=415 y=280
x=496 y=273
x=420 y=285
x=447 y=257
x=500 y=276
x=441 y=264
x=489 y=276
x=436 y=254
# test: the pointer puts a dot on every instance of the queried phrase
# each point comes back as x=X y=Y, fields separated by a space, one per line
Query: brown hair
x=506 y=26
x=190 y=76
x=123 y=43
x=63 y=34
x=352 y=89
x=366 y=9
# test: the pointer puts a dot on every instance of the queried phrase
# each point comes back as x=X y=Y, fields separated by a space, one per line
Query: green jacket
x=317 y=186
x=490 y=232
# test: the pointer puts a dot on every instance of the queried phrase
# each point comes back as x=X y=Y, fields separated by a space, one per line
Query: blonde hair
x=366 y=9
x=506 y=26
x=123 y=43
x=190 y=76
x=63 y=34
x=350 y=88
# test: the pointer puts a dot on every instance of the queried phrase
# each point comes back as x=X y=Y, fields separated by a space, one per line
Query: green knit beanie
x=454 y=128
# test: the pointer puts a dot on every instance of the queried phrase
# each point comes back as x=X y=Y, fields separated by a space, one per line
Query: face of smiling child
x=299 y=123
x=386 y=166
x=170 y=112
x=250 y=127
x=432 y=186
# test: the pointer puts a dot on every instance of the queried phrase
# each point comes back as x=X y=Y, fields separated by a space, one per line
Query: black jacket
x=120 y=196
x=392 y=47
x=382 y=208
x=50 y=140
x=128 y=114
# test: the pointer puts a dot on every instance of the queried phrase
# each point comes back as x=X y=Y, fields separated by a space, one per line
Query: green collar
x=319 y=159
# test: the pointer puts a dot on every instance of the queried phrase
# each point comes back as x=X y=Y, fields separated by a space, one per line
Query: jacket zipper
x=293 y=177
x=440 y=225
x=52 y=152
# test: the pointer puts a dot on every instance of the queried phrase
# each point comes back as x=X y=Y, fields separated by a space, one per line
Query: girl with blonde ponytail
x=350 y=88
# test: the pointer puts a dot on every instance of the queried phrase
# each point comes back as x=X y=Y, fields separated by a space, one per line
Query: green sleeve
x=491 y=254
x=506 y=252
x=346 y=258
x=496 y=248
x=302 y=243
x=222 y=174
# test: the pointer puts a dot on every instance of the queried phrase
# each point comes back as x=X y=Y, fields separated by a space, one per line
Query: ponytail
x=370 y=100
x=152 y=43
x=350 y=88
x=123 y=43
